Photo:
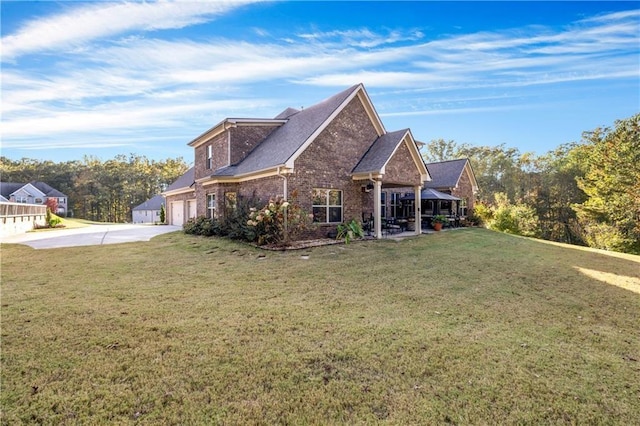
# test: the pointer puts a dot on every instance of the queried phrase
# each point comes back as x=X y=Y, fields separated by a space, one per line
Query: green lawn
x=462 y=327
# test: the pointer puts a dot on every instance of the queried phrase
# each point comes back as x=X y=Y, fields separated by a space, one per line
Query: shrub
x=162 y=213
x=482 y=214
x=235 y=225
x=54 y=221
x=348 y=231
x=279 y=222
x=201 y=226
x=518 y=219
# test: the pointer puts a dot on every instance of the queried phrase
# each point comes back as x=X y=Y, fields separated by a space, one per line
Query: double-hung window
x=327 y=205
x=463 y=207
x=211 y=206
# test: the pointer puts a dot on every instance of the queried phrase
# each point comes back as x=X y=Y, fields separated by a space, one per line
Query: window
x=429 y=207
x=210 y=157
x=396 y=205
x=38 y=201
x=20 y=199
x=230 y=202
x=327 y=205
x=463 y=207
x=383 y=204
x=211 y=206
x=61 y=200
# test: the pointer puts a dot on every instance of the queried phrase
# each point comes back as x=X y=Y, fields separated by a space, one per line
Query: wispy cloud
x=83 y=24
x=125 y=84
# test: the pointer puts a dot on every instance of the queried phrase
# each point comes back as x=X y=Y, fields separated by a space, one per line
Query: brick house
x=455 y=177
x=336 y=155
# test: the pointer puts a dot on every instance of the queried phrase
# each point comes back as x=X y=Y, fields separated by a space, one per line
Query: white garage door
x=177 y=213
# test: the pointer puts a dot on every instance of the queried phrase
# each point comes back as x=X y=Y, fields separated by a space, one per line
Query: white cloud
x=133 y=84
x=83 y=24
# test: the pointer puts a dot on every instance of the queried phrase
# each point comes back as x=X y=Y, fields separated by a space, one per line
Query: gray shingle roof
x=48 y=190
x=430 y=194
x=8 y=188
x=285 y=141
x=380 y=152
x=153 y=203
x=445 y=174
x=184 y=181
x=286 y=113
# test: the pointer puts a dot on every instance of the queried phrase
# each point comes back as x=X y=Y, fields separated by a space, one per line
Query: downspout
x=285 y=191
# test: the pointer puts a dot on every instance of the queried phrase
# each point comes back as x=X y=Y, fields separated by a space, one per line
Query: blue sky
x=107 y=78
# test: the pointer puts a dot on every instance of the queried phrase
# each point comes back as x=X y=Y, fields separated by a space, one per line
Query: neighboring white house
x=33 y=193
x=149 y=211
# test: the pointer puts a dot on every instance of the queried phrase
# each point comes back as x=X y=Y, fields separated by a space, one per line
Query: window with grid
x=230 y=202
x=396 y=204
x=327 y=205
x=463 y=207
x=211 y=206
x=383 y=204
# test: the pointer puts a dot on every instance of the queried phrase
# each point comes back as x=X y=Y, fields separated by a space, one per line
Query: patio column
x=418 y=207
x=377 y=208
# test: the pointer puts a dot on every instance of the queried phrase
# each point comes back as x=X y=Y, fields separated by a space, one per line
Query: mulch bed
x=300 y=245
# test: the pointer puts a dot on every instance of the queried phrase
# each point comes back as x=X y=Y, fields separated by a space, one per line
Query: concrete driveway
x=90 y=235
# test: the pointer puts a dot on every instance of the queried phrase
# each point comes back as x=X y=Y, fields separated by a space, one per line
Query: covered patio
x=393 y=161
x=434 y=203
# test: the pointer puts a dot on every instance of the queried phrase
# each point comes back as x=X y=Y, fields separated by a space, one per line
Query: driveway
x=90 y=235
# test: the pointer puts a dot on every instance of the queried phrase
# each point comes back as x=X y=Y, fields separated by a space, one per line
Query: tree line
x=103 y=191
x=584 y=193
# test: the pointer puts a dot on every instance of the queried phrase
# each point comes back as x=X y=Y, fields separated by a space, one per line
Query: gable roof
x=286 y=140
x=446 y=174
x=182 y=184
x=8 y=188
x=152 y=203
x=47 y=189
x=381 y=151
x=283 y=146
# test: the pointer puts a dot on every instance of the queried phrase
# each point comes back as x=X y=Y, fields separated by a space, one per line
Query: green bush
x=235 y=225
x=482 y=214
x=279 y=222
x=349 y=231
x=201 y=226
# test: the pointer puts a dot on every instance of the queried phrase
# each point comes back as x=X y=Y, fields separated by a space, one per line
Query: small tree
x=162 y=213
x=52 y=204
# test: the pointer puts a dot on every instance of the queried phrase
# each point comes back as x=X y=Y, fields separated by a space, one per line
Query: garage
x=177 y=213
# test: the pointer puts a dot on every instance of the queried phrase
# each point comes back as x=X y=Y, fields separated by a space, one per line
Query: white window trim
x=328 y=206
x=211 y=206
x=209 y=157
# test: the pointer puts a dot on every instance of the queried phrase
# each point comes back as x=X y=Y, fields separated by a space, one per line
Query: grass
x=67 y=223
x=464 y=327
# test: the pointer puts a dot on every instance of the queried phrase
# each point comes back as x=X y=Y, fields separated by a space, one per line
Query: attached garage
x=177 y=213
x=180 y=199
